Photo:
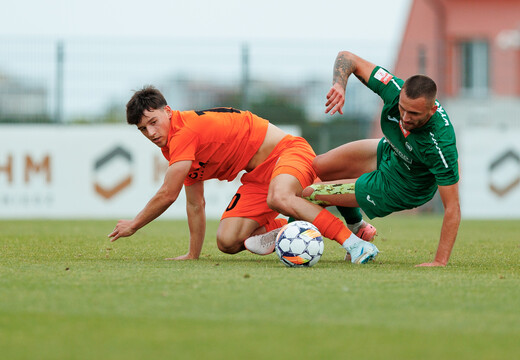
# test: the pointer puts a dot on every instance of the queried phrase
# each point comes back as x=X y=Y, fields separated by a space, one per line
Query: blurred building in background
x=472 y=49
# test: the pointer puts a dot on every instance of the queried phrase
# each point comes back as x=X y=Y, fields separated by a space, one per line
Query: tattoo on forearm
x=343 y=67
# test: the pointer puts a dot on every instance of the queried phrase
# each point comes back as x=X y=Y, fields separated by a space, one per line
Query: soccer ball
x=299 y=244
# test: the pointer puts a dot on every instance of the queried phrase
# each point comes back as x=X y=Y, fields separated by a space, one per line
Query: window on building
x=474 y=68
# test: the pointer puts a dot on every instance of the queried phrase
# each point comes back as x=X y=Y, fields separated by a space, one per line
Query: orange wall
x=437 y=26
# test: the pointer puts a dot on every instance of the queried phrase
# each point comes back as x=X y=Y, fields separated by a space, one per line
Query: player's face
x=415 y=112
x=155 y=125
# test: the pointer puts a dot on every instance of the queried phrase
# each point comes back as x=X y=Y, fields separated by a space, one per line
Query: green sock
x=351 y=215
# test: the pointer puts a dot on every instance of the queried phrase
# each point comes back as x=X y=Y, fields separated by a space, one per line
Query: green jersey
x=416 y=161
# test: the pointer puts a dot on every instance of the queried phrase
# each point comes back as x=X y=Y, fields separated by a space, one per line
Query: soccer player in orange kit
x=220 y=143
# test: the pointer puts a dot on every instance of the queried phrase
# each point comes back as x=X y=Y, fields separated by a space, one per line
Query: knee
x=318 y=163
x=227 y=244
x=280 y=202
x=226 y=248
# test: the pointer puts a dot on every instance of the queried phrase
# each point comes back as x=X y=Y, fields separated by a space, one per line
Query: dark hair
x=420 y=86
x=148 y=98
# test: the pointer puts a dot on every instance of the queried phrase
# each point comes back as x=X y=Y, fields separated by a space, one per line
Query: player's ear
x=433 y=109
x=168 y=109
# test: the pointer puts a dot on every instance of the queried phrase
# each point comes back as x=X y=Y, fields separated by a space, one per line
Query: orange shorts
x=293 y=156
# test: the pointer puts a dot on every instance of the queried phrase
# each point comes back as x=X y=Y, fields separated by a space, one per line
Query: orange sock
x=275 y=224
x=331 y=227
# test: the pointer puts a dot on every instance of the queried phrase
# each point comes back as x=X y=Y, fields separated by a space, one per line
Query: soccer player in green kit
x=404 y=169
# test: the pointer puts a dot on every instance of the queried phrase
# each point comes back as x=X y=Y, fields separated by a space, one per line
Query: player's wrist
x=193 y=254
x=440 y=262
x=134 y=226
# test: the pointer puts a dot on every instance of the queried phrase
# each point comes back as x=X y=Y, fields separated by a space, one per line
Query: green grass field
x=68 y=293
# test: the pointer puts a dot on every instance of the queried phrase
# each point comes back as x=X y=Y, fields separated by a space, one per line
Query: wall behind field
x=102 y=171
x=109 y=171
x=489 y=156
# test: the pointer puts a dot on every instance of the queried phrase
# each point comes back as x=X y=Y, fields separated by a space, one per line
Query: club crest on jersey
x=383 y=76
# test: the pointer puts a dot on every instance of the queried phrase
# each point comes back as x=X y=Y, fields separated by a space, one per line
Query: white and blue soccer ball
x=299 y=244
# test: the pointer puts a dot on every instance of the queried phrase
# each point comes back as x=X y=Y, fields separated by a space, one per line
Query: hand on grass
x=183 y=257
x=123 y=228
x=432 y=264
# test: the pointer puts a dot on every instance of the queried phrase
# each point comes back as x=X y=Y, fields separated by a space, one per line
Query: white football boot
x=262 y=244
x=362 y=252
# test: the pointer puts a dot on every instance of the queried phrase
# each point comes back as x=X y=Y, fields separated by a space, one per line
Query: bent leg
x=284 y=197
x=348 y=161
x=233 y=231
x=294 y=172
x=247 y=214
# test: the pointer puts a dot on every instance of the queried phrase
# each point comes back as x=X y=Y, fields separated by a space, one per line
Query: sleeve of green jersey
x=442 y=157
x=385 y=84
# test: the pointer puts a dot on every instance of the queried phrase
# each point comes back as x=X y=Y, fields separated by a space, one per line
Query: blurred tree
x=324 y=136
x=28 y=119
x=278 y=109
x=115 y=114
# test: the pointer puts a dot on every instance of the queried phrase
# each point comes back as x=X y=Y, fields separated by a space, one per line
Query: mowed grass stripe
x=66 y=292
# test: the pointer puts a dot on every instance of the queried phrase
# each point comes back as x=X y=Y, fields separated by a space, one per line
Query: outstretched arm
x=450 y=224
x=195 y=208
x=158 y=204
x=346 y=64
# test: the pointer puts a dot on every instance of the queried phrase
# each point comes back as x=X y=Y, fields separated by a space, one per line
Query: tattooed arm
x=346 y=63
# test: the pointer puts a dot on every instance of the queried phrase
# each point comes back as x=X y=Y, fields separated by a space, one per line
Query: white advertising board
x=111 y=171
x=87 y=172
x=490 y=172
x=102 y=171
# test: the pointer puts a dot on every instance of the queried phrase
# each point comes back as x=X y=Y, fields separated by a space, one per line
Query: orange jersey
x=219 y=141
x=291 y=156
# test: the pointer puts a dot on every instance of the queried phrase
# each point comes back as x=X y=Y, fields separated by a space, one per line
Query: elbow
x=345 y=55
x=168 y=195
x=171 y=198
x=453 y=212
x=458 y=214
